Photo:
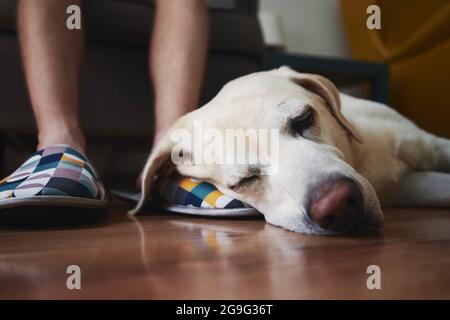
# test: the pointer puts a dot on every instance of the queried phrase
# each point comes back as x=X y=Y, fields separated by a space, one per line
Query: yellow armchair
x=414 y=41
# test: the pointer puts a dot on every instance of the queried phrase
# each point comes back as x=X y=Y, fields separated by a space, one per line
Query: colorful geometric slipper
x=56 y=176
x=191 y=196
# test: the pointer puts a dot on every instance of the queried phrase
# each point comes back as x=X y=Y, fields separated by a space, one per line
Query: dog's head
x=313 y=186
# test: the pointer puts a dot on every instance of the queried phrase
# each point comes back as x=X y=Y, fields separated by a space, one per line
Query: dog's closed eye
x=297 y=125
x=244 y=183
x=247 y=181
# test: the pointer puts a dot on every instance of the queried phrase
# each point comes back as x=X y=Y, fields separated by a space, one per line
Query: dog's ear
x=159 y=157
x=325 y=89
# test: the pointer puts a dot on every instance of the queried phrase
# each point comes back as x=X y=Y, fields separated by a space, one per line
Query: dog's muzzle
x=337 y=205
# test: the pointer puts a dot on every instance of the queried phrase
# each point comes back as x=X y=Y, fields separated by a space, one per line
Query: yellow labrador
x=337 y=154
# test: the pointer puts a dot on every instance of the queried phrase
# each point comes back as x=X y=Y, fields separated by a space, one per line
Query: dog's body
x=334 y=152
x=393 y=146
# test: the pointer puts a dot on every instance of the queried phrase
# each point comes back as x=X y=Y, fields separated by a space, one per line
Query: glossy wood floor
x=164 y=256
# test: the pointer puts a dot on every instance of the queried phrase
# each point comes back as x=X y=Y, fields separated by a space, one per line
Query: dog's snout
x=335 y=204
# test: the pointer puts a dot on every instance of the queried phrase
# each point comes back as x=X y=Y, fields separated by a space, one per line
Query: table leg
x=2 y=153
x=380 y=85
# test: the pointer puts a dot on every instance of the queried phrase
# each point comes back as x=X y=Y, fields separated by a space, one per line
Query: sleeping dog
x=338 y=155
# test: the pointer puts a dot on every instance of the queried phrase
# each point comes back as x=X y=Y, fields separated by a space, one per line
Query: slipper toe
x=191 y=192
x=195 y=197
x=56 y=172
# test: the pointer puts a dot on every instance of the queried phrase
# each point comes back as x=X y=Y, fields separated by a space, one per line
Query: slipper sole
x=211 y=212
x=51 y=211
x=53 y=201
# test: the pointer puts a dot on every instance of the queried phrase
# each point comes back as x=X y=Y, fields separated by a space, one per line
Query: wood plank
x=164 y=256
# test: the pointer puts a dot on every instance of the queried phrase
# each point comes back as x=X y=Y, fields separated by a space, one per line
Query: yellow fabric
x=188 y=184
x=73 y=161
x=212 y=198
x=415 y=41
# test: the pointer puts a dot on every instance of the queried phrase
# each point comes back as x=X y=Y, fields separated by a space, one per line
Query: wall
x=311 y=26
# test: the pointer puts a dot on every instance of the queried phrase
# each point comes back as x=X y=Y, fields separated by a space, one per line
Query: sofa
x=116 y=98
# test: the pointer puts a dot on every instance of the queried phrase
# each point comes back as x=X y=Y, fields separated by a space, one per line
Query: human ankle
x=72 y=137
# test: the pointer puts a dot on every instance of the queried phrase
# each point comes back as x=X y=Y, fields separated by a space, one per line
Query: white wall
x=311 y=26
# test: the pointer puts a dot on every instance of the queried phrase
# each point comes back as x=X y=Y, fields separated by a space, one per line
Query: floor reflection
x=172 y=256
x=207 y=254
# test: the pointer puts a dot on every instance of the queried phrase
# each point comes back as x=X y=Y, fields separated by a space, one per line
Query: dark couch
x=115 y=94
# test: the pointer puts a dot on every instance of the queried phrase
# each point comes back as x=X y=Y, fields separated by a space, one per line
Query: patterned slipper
x=191 y=196
x=56 y=176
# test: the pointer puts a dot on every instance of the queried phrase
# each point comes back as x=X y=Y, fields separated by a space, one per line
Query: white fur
x=361 y=139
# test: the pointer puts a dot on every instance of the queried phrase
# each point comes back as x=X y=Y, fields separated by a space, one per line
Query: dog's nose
x=335 y=204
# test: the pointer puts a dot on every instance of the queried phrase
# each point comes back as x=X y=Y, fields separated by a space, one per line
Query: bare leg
x=52 y=57
x=177 y=58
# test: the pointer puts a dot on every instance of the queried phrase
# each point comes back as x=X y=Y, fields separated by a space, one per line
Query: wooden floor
x=164 y=256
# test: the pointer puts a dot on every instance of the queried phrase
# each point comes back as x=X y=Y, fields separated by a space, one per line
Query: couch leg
x=2 y=153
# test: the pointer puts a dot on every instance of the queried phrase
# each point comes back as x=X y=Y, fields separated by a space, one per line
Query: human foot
x=55 y=175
